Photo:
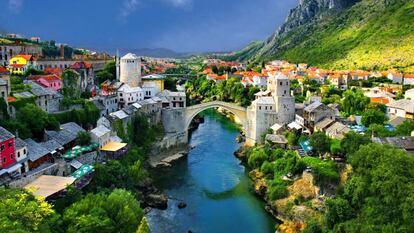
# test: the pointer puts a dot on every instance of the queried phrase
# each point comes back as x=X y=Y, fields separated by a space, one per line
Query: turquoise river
x=214 y=185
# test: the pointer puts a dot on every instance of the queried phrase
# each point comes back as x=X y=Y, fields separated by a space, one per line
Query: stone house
x=128 y=95
x=46 y=99
x=101 y=135
x=21 y=155
x=316 y=112
x=401 y=108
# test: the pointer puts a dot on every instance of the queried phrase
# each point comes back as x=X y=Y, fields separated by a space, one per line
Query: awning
x=294 y=125
x=82 y=171
x=45 y=186
x=276 y=127
x=14 y=168
x=10 y=169
x=113 y=146
x=76 y=164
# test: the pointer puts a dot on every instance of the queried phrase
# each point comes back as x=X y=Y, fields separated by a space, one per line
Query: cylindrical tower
x=131 y=70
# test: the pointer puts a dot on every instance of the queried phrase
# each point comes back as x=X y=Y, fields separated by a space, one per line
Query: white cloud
x=128 y=7
x=15 y=5
x=180 y=3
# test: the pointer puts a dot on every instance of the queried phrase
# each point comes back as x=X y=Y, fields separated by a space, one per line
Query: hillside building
x=276 y=108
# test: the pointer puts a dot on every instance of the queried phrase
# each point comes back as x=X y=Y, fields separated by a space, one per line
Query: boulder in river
x=181 y=205
x=159 y=201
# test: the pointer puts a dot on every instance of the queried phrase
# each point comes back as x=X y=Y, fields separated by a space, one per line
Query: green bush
x=324 y=171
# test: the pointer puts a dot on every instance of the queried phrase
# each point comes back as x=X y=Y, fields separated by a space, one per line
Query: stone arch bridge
x=192 y=111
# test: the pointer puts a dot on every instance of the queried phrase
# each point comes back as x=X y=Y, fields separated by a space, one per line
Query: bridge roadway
x=238 y=111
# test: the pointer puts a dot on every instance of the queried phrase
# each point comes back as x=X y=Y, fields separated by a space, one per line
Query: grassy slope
x=369 y=35
x=244 y=53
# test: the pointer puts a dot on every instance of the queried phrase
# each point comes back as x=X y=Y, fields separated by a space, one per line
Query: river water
x=213 y=184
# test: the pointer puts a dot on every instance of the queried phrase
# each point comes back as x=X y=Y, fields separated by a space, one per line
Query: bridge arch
x=238 y=111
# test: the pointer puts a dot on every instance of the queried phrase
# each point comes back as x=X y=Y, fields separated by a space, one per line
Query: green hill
x=368 y=34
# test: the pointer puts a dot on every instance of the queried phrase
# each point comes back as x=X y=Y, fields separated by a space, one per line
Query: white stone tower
x=285 y=103
x=131 y=70
x=117 y=65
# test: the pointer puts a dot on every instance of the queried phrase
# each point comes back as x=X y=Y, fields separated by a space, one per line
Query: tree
x=83 y=138
x=20 y=211
x=354 y=102
x=136 y=172
x=33 y=71
x=118 y=211
x=108 y=73
x=256 y=157
x=70 y=89
x=320 y=142
x=405 y=128
x=143 y=227
x=379 y=196
x=36 y=120
x=352 y=141
x=373 y=116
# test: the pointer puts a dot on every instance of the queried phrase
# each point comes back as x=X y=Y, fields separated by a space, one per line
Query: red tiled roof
x=11 y=99
x=50 y=70
x=381 y=100
x=48 y=77
x=17 y=65
x=81 y=65
x=25 y=56
x=3 y=70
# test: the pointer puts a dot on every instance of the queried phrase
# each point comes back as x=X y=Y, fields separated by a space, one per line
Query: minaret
x=117 y=66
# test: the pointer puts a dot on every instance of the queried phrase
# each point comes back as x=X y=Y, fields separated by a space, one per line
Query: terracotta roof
x=25 y=56
x=50 y=70
x=17 y=65
x=380 y=100
x=81 y=65
x=11 y=99
x=3 y=70
x=408 y=75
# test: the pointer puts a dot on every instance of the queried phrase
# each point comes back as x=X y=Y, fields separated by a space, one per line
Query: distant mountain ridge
x=342 y=34
x=154 y=52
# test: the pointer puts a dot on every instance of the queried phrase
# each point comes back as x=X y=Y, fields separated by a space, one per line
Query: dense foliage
x=231 y=90
x=117 y=211
x=31 y=122
x=370 y=35
x=21 y=212
x=379 y=197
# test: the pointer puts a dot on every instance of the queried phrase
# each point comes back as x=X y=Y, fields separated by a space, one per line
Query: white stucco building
x=130 y=70
x=128 y=95
x=101 y=135
x=276 y=106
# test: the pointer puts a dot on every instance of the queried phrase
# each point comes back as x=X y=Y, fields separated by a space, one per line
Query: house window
x=11 y=156
x=281 y=84
x=18 y=154
x=4 y=160
x=260 y=107
x=10 y=144
x=1 y=147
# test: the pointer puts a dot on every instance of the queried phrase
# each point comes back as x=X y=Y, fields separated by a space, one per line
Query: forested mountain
x=343 y=34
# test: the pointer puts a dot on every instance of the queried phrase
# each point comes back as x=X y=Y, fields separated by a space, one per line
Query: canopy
x=82 y=171
x=45 y=186
x=305 y=144
x=77 y=150
x=294 y=125
x=76 y=164
x=113 y=146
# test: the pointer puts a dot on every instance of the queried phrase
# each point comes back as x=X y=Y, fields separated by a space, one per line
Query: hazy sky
x=181 y=25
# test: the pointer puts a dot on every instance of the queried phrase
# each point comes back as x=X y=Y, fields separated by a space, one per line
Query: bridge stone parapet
x=177 y=121
x=192 y=111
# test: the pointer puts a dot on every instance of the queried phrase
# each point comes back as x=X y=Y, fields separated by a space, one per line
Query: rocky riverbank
x=302 y=203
